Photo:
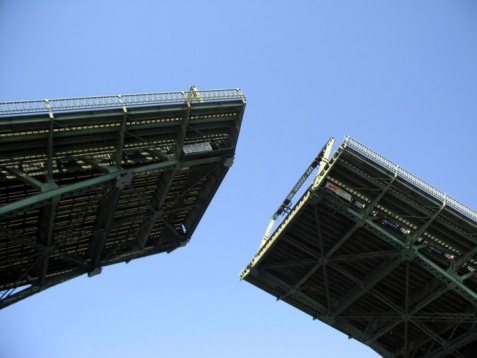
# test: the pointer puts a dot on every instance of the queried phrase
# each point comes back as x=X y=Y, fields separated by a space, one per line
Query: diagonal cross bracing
x=420 y=258
x=104 y=220
x=343 y=239
x=455 y=344
x=314 y=308
x=403 y=220
x=84 y=180
x=372 y=279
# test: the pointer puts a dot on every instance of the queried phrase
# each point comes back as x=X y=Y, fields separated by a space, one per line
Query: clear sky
x=400 y=77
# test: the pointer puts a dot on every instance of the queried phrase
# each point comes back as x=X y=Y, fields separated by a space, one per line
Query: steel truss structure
x=90 y=182
x=378 y=254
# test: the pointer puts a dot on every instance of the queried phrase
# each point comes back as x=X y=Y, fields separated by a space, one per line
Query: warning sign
x=338 y=191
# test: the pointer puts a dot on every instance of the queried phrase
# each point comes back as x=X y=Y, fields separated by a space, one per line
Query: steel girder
x=88 y=186
x=388 y=260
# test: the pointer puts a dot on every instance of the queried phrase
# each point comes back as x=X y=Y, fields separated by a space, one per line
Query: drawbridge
x=93 y=181
x=376 y=253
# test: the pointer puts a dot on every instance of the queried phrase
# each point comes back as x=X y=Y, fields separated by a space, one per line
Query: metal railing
x=118 y=101
x=411 y=178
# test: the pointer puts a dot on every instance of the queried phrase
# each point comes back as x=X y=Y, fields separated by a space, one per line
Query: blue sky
x=399 y=77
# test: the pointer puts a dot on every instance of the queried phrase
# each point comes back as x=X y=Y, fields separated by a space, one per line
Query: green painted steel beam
x=155 y=207
x=448 y=279
x=458 y=263
x=315 y=309
x=324 y=259
x=413 y=182
x=374 y=330
x=268 y=243
x=104 y=220
x=420 y=259
x=453 y=346
x=291 y=263
x=412 y=314
x=406 y=311
x=429 y=298
x=373 y=278
x=383 y=330
x=39 y=199
x=421 y=230
x=91 y=194
x=97 y=166
x=369 y=208
x=29 y=180
x=14 y=296
x=445 y=277
x=428 y=331
x=365 y=256
x=448 y=321
x=319 y=161
x=421 y=317
x=318 y=264
x=378 y=188
x=394 y=178
x=394 y=240
x=46 y=223
x=322 y=250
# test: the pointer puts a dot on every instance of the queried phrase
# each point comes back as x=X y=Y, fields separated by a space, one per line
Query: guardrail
x=411 y=178
x=119 y=101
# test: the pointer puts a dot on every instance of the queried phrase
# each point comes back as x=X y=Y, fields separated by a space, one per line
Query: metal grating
x=377 y=253
x=89 y=182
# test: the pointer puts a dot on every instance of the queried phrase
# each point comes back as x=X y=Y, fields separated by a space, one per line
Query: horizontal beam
x=455 y=344
x=81 y=185
x=307 y=304
x=39 y=200
x=397 y=242
x=422 y=317
x=373 y=278
x=15 y=296
x=28 y=180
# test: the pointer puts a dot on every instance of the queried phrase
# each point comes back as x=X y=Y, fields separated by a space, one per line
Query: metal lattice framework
x=89 y=182
x=379 y=254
